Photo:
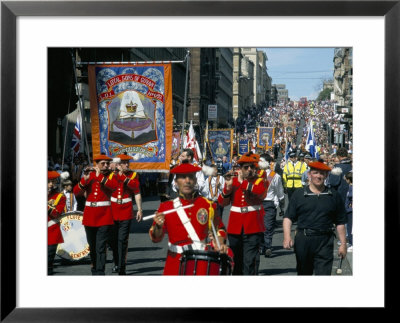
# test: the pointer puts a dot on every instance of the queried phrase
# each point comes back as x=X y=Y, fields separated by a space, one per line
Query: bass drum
x=209 y=263
x=75 y=246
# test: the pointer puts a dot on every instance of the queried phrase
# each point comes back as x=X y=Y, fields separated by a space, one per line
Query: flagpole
x=128 y=63
x=66 y=127
x=185 y=95
x=80 y=106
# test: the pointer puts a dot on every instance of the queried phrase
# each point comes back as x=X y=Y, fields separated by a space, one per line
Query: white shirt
x=275 y=189
x=212 y=181
x=70 y=205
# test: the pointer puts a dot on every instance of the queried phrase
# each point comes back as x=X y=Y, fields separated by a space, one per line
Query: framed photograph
x=28 y=28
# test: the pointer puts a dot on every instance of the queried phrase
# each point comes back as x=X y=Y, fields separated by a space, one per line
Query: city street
x=147 y=258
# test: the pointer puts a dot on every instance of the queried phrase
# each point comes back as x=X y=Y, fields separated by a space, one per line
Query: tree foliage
x=324 y=94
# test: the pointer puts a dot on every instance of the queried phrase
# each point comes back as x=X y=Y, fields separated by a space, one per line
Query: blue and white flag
x=76 y=136
x=311 y=146
x=288 y=150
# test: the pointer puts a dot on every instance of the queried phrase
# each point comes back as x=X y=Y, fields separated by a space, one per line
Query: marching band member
x=213 y=185
x=97 y=216
x=275 y=197
x=188 y=228
x=187 y=156
x=55 y=207
x=124 y=183
x=246 y=193
x=71 y=204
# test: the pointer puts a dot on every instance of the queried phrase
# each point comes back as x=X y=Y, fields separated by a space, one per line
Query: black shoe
x=268 y=253
x=115 y=269
x=50 y=271
x=122 y=273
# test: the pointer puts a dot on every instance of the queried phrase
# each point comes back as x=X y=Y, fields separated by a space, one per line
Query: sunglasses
x=248 y=166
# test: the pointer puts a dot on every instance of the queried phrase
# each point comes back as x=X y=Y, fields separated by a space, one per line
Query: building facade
x=343 y=76
x=283 y=94
x=260 y=79
x=243 y=76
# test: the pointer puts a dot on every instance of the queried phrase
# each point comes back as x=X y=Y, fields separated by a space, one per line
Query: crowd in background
x=322 y=114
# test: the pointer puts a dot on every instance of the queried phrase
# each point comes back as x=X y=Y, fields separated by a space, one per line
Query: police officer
x=315 y=208
x=292 y=174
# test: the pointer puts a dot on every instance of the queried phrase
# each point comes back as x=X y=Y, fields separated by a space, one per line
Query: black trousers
x=119 y=235
x=97 y=239
x=314 y=254
x=51 y=254
x=246 y=254
x=269 y=222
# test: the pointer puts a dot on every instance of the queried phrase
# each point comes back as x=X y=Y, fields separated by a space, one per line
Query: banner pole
x=185 y=96
x=80 y=106
x=129 y=63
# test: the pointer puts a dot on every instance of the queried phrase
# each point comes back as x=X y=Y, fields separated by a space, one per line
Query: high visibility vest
x=292 y=174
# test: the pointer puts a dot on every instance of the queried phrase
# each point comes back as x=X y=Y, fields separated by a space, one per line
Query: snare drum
x=198 y=262
x=75 y=245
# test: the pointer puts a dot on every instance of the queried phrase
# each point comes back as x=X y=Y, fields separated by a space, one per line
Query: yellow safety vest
x=292 y=174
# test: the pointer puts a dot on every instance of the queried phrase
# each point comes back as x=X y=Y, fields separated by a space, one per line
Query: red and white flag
x=191 y=142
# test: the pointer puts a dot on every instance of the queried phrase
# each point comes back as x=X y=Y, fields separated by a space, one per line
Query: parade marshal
x=316 y=209
x=187 y=229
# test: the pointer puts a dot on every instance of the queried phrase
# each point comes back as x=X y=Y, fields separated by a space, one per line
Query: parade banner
x=265 y=137
x=220 y=143
x=176 y=144
x=131 y=111
x=243 y=146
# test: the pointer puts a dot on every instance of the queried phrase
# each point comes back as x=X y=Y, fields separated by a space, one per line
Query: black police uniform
x=315 y=215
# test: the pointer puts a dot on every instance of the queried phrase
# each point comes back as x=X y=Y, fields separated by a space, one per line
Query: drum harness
x=197 y=243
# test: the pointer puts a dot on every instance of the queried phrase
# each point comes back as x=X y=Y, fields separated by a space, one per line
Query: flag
x=191 y=143
x=205 y=142
x=310 y=143
x=288 y=150
x=76 y=136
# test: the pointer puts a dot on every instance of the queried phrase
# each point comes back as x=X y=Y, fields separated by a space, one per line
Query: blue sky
x=301 y=69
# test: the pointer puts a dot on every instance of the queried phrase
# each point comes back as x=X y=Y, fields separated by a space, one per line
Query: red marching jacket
x=55 y=207
x=124 y=187
x=247 y=211
x=199 y=215
x=97 y=210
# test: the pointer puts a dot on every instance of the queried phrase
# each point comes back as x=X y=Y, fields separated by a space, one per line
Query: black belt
x=315 y=232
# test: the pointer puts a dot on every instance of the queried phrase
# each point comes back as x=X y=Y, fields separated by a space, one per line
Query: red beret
x=101 y=157
x=124 y=157
x=320 y=166
x=249 y=158
x=185 y=168
x=52 y=174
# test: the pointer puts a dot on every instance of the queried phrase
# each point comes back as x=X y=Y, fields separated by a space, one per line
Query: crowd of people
x=253 y=186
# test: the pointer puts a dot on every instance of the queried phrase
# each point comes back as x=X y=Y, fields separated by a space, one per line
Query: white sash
x=197 y=244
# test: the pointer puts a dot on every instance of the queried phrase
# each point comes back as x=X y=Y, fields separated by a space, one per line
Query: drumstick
x=215 y=235
x=165 y=212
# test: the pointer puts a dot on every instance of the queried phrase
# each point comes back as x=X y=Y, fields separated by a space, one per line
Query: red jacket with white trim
x=124 y=187
x=95 y=215
x=247 y=211
x=55 y=207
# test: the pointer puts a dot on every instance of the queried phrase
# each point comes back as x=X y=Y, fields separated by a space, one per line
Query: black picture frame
x=10 y=10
